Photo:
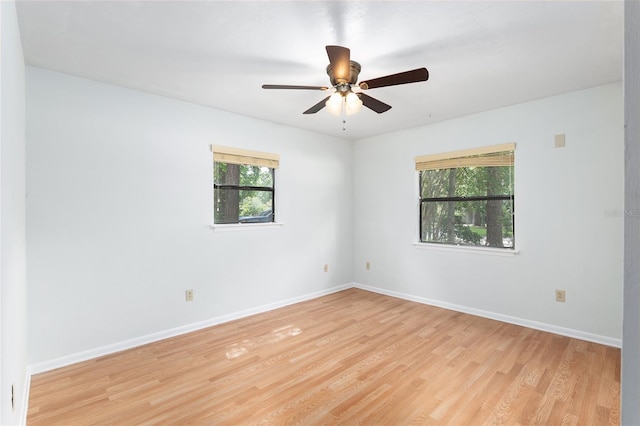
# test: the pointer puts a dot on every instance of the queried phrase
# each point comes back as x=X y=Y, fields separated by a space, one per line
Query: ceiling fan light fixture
x=352 y=103
x=340 y=103
x=334 y=103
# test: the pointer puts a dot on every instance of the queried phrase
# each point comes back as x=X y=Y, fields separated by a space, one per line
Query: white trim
x=245 y=226
x=550 y=328
x=154 y=337
x=41 y=367
x=25 y=397
x=468 y=249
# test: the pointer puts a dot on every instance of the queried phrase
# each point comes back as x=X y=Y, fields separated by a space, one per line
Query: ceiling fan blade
x=413 y=76
x=340 y=60
x=284 y=86
x=317 y=107
x=373 y=103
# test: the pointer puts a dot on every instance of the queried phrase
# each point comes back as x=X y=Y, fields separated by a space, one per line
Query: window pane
x=479 y=222
x=234 y=205
x=242 y=175
x=243 y=193
x=466 y=182
x=256 y=176
x=438 y=183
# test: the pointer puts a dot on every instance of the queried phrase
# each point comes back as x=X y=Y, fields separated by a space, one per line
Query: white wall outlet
x=188 y=295
x=368 y=266
x=326 y=268
x=560 y=296
x=559 y=141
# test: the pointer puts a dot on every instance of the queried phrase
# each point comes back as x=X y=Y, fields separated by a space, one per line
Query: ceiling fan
x=343 y=74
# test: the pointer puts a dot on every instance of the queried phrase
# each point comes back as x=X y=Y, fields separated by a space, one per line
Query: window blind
x=224 y=154
x=488 y=156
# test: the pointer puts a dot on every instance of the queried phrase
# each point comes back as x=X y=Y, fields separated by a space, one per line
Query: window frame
x=228 y=155
x=272 y=189
x=465 y=159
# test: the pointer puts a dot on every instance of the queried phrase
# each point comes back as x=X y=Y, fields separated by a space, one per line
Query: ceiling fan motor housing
x=354 y=71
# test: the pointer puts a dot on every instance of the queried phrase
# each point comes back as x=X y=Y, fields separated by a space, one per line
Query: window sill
x=468 y=249
x=245 y=226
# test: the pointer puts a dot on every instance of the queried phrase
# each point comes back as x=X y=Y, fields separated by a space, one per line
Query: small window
x=243 y=186
x=467 y=197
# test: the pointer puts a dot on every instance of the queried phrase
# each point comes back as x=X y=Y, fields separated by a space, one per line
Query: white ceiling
x=480 y=54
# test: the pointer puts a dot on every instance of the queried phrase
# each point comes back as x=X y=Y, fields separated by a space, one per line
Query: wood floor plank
x=352 y=357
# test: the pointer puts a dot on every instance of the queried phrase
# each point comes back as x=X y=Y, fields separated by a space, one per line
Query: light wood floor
x=353 y=357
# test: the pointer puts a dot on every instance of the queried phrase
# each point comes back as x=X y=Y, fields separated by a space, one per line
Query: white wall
x=119 y=211
x=569 y=208
x=13 y=290
x=631 y=335
x=120 y=206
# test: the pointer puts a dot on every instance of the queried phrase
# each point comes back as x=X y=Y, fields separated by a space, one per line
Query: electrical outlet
x=560 y=296
x=368 y=265
x=188 y=295
x=326 y=268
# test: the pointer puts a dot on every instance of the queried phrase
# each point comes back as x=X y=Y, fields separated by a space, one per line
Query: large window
x=243 y=186
x=467 y=197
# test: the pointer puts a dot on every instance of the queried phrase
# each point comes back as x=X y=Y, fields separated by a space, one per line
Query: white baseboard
x=154 y=337
x=42 y=367
x=577 y=334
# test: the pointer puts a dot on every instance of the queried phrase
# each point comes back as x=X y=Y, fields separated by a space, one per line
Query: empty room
x=323 y=212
